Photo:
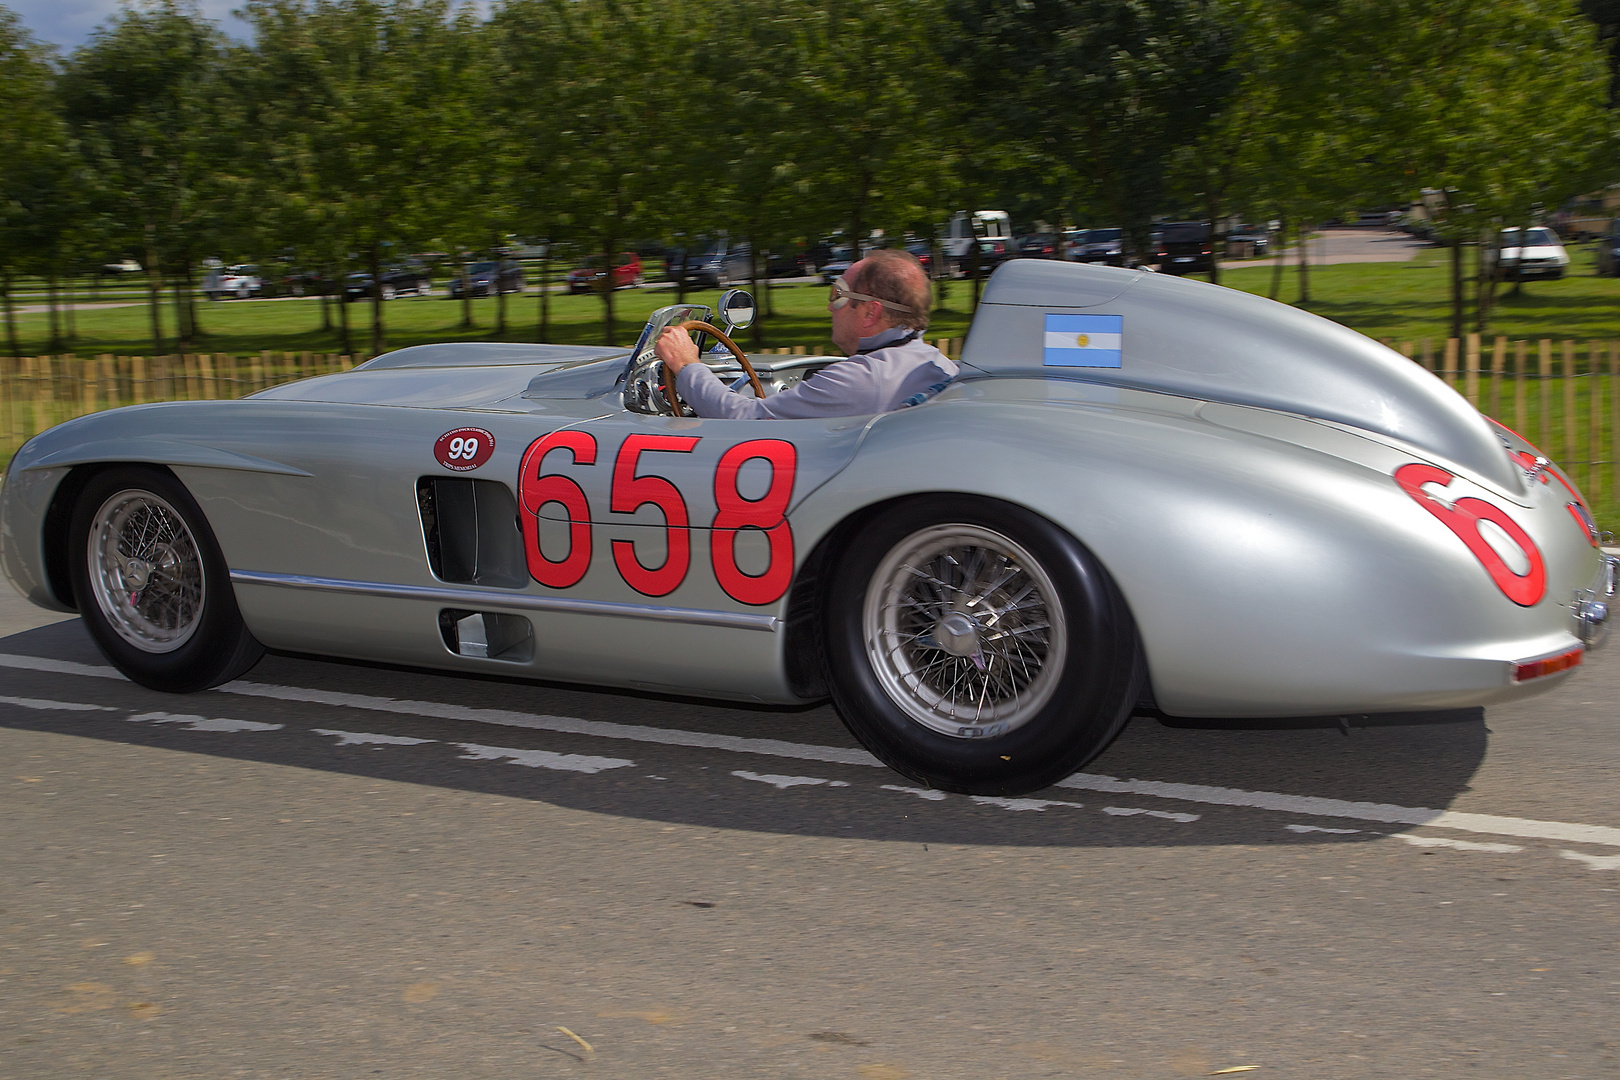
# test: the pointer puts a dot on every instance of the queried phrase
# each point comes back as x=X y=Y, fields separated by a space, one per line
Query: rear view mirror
x=737 y=309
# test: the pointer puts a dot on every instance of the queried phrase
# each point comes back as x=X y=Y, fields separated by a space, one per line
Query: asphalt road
x=341 y=870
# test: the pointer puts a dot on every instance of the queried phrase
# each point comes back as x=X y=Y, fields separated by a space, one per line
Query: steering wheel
x=669 y=380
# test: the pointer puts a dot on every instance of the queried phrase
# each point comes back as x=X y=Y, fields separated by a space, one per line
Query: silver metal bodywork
x=1235 y=474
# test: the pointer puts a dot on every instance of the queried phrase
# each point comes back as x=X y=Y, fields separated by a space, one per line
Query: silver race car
x=1141 y=493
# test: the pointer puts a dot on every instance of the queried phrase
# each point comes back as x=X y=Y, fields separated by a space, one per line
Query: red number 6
x=1463 y=517
x=534 y=491
x=767 y=513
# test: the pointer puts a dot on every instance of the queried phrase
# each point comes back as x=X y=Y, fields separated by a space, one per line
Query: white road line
x=1308 y=805
x=62 y=706
x=1315 y=806
x=1319 y=828
x=203 y=723
x=541 y=759
x=782 y=783
x=366 y=738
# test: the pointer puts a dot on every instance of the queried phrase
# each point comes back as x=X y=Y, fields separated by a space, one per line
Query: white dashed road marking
x=541 y=759
x=203 y=723
x=1307 y=805
x=1456 y=845
x=1595 y=862
x=1319 y=828
x=1022 y=804
x=365 y=738
x=47 y=705
x=782 y=783
x=1131 y=811
x=922 y=793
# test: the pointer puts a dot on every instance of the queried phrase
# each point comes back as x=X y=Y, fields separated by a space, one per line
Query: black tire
x=898 y=666
x=179 y=630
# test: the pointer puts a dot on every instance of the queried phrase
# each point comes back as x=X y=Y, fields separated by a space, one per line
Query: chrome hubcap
x=146 y=571
x=963 y=631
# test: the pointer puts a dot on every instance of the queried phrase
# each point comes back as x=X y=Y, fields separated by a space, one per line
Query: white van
x=990 y=228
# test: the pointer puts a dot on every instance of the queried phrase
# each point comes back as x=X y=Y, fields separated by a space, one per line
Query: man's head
x=900 y=285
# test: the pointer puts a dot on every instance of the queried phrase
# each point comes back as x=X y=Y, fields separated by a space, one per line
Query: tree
x=139 y=96
x=35 y=153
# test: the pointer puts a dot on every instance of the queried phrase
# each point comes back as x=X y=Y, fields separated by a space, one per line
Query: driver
x=879 y=310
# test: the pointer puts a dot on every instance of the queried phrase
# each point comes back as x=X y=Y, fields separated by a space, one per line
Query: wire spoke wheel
x=146 y=571
x=964 y=631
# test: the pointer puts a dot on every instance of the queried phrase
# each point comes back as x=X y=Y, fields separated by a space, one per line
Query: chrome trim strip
x=487 y=600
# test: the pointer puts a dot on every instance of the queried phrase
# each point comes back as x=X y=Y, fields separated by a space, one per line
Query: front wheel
x=976 y=647
x=152 y=586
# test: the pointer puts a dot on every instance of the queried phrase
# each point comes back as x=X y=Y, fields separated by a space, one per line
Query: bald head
x=898 y=277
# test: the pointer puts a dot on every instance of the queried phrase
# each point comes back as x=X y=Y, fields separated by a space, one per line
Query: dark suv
x=1184 y=247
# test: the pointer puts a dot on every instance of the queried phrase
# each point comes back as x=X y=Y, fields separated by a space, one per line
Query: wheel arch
x=804 y=644
x=54 y=527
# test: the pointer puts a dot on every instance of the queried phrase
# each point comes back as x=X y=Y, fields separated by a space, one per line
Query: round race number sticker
x=464 y=449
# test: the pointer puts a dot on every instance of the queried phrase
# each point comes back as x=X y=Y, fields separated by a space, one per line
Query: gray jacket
x=889 y=372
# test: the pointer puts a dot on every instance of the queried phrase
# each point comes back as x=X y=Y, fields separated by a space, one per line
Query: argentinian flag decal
x=1083 y=340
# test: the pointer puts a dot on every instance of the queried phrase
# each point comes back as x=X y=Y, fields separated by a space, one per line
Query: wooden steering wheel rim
x=669 y=380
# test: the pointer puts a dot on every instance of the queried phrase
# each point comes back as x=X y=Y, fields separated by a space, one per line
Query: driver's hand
x=676 y=349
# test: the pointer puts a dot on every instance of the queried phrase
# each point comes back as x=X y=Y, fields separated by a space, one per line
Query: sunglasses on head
x=843 y=294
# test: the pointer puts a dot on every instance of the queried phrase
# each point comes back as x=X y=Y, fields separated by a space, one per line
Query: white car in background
x=1530 y=253
x=226 y=282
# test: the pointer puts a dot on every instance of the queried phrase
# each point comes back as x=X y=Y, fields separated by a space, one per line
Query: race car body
x=1139 y=489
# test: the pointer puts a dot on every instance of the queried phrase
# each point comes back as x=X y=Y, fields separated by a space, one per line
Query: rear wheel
x=976 y=647
x=152 y=586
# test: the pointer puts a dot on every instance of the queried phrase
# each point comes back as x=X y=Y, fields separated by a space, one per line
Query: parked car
x=1101 y=246
x=923 y=251
x=481 y=279
x=1183 y=247
x=1141 y=494
x=232 y=282
x=1608 y=250
x=1248 y=242
x=1037 y=246
x=406 y=278
x=1528 y=254
x=582 y=279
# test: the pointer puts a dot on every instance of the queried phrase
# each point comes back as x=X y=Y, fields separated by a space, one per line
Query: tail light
x=1552 y=665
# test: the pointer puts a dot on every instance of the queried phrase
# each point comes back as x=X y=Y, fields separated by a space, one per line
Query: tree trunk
x=11 y=314
x=1216 y=237
x=1278 y=259
x=500 y=297
x=545 y=294
x=1304 y=266
x=466 y=298
x=343 y=310
x=54 y=304
x=758 y=334
x=69 y=316
x=605 y=283
x=182 y=329
x=154 y=290
x=191 y=301
x=1456 y=289
x=379 y=336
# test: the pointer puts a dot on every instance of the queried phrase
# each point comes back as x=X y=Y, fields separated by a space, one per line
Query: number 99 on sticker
x=464 y=449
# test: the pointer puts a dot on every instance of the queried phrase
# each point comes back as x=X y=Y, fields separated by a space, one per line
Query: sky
x=67 y=23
